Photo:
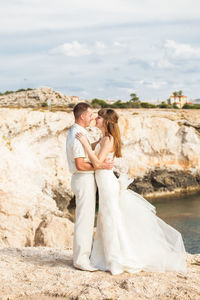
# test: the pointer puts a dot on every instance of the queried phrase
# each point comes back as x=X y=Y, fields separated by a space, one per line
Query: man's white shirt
x=75 y=149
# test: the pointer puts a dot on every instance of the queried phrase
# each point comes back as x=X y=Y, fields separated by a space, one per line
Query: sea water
x=183 y=213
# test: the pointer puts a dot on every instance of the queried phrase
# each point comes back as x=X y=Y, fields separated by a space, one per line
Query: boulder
x=54 y=232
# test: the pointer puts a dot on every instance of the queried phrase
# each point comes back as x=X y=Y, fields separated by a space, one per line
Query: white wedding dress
x=129 y=236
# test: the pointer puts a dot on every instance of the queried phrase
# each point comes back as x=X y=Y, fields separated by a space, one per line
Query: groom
x=83 y=186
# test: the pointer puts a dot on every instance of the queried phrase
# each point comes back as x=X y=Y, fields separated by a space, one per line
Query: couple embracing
x=129 y=236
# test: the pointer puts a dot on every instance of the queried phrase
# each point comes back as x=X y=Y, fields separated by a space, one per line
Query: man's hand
x=108 y=164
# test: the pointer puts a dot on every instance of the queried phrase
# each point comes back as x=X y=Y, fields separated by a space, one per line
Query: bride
x=129 y=236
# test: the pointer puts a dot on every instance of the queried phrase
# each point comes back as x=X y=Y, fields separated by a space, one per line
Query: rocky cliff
x=37 y=98
x=35 y=181
x=161 y=149
x=33 y=166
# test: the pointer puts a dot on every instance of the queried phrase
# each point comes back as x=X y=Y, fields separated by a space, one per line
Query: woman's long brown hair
x=112 y=128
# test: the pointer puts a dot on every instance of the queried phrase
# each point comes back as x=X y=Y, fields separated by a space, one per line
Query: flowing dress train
x=129 y=236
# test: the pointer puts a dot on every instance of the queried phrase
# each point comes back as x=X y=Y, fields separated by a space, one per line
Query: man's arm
x=82 y=165
x=106 y=148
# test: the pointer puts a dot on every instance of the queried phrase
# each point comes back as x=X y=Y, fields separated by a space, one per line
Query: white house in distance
x=179 y=100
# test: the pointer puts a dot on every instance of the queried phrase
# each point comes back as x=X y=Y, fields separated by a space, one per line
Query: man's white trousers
x=84 y=187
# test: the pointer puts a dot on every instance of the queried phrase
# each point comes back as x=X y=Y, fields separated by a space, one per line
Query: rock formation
x=29 y=174
x=34 y=176
x=160 y=139
x=158 y=181
x=37 y=98
x=53 y=232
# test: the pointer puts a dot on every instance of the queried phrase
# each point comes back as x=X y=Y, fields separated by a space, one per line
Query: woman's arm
x=106 y=147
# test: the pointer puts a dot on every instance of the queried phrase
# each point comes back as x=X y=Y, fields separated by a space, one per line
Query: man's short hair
x=80 y=108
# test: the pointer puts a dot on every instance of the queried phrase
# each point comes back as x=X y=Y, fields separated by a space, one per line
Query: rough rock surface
x=158 y=181
x=29 y=174
x=47 y=271
x=34 y=177
x=164 y=139
x=54 y=231
x=37 y=98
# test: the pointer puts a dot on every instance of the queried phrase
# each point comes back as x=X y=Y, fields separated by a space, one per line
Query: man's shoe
x=86 y=268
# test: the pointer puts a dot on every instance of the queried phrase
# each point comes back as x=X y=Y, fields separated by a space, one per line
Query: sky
x=101 y=49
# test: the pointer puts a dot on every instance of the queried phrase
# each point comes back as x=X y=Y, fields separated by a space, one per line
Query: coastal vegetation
x=191 y=106
x=135 y=102
x=45 y=100
x=17 y=91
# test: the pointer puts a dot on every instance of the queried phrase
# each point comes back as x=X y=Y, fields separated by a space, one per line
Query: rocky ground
x=45 y=273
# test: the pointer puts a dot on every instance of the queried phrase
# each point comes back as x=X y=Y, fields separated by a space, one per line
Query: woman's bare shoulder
x=107 y=140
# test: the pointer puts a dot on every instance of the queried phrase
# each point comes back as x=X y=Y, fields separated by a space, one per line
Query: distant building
x=179 y=100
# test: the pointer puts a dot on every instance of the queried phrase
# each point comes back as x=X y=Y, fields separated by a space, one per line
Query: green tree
x=187 y=106
x=117 y=104
x=134 y=97
x=196 y=106
x=96 y=103
x=174 y=105
x=180 y=93
x=134 y=102
x=147 y=105
x=175 y=95
x=164 y=105
x=10 y=92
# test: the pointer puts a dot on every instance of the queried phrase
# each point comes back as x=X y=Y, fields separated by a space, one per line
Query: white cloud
x=152 y=84
x=118 y=45
x=84 y=93
x=174 y=53
x=77 y=49
x=155 y=84
x=128 y=90
x=25 y=16
x=100 y=45
x=74 y=49
x=181 y=50
x=162 y=63
x=100 y=48
x=123 y=46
